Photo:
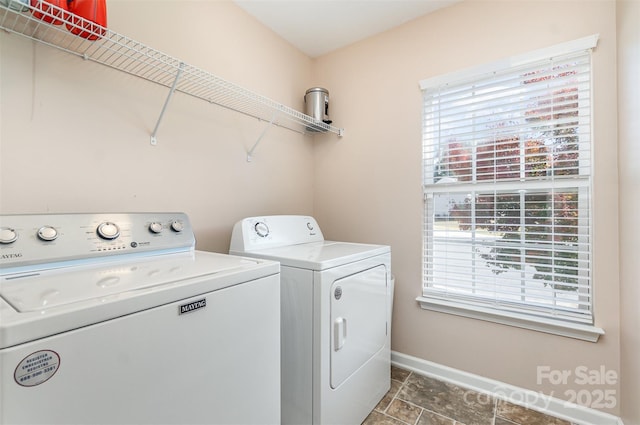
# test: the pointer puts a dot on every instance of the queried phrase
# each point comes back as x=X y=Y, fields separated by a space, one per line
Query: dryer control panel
x=31 y=239
x=271 y=231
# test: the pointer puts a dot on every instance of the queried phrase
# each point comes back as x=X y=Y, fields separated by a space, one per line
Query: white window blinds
x=507 y=183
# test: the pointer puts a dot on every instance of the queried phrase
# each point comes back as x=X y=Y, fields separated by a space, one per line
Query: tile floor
x=419 y=400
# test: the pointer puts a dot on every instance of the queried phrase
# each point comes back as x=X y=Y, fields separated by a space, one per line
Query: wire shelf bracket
x=255 y=145
x=166 y=103
x=117 y=51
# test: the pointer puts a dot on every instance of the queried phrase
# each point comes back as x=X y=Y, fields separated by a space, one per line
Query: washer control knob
x=47 y=233
x=108 y=230
x=155 y=227
x=262 y=229
x=177 y=226
x=8 y=235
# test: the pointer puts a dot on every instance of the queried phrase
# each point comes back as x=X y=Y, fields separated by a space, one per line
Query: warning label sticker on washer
x=37 y=368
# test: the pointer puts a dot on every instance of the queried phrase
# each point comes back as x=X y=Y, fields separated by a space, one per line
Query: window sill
x=557 y=327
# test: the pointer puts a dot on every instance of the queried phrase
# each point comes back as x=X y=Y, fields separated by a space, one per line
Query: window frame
x=433 y=300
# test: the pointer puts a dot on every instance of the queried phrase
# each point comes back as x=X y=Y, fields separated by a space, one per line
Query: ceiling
x=317 y=27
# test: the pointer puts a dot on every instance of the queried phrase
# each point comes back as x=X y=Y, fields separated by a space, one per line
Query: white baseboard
x=530 y=399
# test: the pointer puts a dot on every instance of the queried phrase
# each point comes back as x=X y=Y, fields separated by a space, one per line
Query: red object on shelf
x=94 y=13
x=43 y=10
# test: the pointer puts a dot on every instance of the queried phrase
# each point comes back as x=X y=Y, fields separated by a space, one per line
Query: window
x=507 y=185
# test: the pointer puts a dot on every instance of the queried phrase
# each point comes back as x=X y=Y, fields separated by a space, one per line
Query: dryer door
x=358 y=321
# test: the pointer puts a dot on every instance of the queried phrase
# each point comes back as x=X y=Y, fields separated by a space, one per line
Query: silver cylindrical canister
x=316 y=101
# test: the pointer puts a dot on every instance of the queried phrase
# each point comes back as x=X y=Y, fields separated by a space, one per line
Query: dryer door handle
x=339 y=333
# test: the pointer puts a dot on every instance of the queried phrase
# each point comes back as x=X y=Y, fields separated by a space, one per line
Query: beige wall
x=368 y=184
x=75 y=135
x=629 y=154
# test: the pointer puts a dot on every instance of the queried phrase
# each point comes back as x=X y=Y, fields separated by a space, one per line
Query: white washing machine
x=335 y=318
x=117 y=319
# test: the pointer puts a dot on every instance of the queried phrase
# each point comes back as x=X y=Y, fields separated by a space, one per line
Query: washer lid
x=39 y=304
x=318 y=255
x=46 y=290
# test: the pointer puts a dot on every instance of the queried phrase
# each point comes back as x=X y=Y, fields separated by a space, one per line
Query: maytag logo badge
x=193 y=306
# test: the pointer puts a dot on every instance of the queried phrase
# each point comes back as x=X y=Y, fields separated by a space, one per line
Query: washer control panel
x=274 y=231
x=28 y=239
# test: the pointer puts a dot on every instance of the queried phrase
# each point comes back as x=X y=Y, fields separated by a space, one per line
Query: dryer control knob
x=262 y=229
x=337 y=293
x=177 y=226
x=155 y=227
x=7 y=235
x=47 y=233
x=108 y=230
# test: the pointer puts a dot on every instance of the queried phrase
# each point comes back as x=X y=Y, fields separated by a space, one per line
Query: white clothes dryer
x=335 y=320
x=117 y=319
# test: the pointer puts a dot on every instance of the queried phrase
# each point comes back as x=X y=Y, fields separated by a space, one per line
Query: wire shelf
x=124 y=54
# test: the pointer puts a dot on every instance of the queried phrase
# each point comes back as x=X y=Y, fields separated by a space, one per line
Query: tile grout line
x=419 y=416
x=395 y=397
x=422 y=409
x=495 y=410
